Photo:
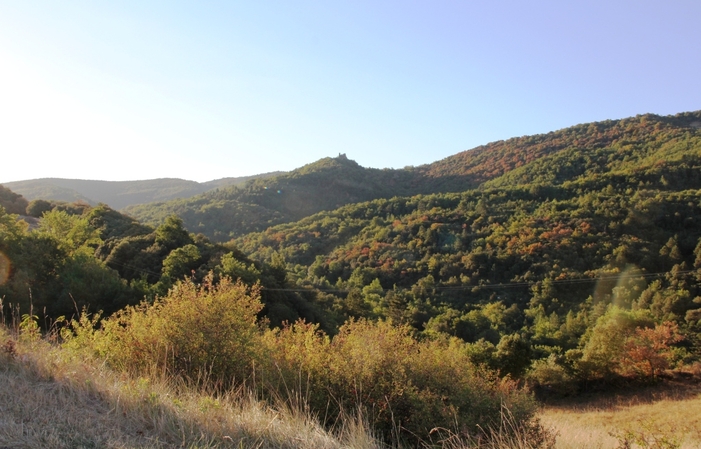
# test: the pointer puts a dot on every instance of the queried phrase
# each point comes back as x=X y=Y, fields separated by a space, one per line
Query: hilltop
x=334 y=182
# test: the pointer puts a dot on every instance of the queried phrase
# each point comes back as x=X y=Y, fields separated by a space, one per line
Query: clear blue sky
x=203 y=90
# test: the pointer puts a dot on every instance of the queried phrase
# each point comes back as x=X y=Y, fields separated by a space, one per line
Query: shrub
x=550 y=377
x=194 y=330
x=605 y=341
x=628 y=343
x=648 y=351
x=402 y=385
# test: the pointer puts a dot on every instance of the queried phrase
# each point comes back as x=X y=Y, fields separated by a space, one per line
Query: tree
x=606 y=341
x=171 y=234
x=181 y=261
x=237 y=269
x=12 y=202
x=513 y=355
x=649 y=350
x=72 y=233
x=37 y=208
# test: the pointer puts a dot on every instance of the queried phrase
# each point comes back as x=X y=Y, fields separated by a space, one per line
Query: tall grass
x=51 y=397
x=667 y=415
x=197 y=369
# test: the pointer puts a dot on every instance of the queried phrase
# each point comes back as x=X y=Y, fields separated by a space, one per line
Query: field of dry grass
x=667 y=416
x=49 y=399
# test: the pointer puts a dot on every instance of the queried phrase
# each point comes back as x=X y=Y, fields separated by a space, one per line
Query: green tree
x=37 y=208
x=72 y=233
x=513 y=355
x=12 y=202
x=237 y=269
x=182 y=261
x=171 y=234
x=604 y=344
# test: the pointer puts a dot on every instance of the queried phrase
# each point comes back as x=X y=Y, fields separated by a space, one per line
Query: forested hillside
x=560 y=261
x=334 y=182
x=97 y=259
x=324 y=185
x=540 y=263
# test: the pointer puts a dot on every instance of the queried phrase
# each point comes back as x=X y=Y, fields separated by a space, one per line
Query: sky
x=210 y=89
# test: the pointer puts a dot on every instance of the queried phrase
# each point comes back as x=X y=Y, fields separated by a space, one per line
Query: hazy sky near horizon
x=204 y=90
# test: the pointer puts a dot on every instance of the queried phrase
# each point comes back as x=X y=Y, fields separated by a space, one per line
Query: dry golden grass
x=50 y=399
x=671 y=410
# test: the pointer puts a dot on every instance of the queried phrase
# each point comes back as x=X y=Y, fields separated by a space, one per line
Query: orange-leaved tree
x=648 y=351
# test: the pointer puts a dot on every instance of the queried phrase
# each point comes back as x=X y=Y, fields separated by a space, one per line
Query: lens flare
x=630 y=285
x=620 y=288
x=4 y=268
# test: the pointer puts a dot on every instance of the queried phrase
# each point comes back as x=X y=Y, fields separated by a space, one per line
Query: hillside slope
x=542 y=252
x=334 y=182
x=580 y=267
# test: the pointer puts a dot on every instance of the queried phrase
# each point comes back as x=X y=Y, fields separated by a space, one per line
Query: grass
x=51 y=399
x=667 y=415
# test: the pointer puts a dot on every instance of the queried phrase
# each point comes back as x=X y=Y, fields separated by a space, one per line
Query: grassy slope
x=49 y=398
x=54 y=398
x=671 y=410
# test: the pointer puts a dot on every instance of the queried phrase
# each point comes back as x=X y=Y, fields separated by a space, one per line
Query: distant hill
x=119 y=194
x=333 y=182
x=323 y=185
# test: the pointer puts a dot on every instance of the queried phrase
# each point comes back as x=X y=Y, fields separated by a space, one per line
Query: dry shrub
x=405 y=387
x=208 y=335
x=195 y=332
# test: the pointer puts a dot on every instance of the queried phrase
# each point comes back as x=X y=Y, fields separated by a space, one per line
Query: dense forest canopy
x=559 y=258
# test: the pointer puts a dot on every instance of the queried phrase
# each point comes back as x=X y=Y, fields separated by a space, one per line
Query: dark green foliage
x=596 y=216
x=171 y=234
x=12 y=202
x=36 y=208
x=644 y=150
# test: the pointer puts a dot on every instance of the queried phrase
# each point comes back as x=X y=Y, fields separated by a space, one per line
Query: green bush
x=551 y=377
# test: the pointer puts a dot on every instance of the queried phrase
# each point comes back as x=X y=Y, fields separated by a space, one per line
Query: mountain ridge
x=334 y=182
x=119 y=194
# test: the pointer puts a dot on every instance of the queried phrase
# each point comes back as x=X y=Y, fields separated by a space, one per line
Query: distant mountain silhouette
x=119 y=194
